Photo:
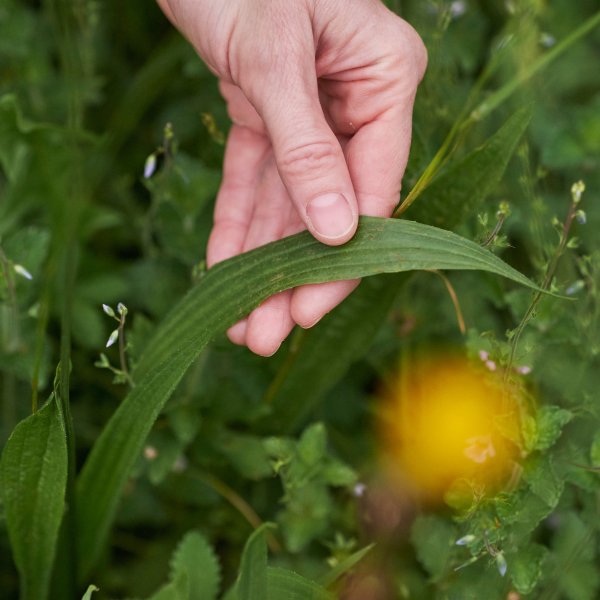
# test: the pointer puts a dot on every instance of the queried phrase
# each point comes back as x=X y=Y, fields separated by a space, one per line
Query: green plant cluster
x=144 y=456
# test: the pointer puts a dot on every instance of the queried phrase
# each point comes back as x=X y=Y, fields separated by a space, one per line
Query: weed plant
x=146 y=456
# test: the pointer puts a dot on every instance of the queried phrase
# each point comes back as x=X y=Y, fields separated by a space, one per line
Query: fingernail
x=330 y=215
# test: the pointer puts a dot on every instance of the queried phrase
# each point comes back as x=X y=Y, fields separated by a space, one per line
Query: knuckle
x=304 y=159
x=410 y=49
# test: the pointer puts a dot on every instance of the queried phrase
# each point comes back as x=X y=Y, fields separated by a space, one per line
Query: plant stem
x=237 y=502
x=550 y=270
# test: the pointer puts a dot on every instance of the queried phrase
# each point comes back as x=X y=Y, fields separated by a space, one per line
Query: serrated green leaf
x=312 y=446
x=525 y=567
x=229 y=291
x=288 y=585
x=344 y=566
x=33 y=476
x=433 y=538
x=178 y=589
x=194 y=560
x=252 y=581
x=458 y=190
x=549 y=423
x=338 y=474
x=542 y=479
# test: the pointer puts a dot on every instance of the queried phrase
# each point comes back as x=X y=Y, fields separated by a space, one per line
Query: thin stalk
x=122 y=353
x=452 y=293
x=15 y=334
x=285 y=367
x=237 y=502
x=548 y=277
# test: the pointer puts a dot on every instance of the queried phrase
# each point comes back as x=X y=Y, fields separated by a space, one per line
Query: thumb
x=309 y=158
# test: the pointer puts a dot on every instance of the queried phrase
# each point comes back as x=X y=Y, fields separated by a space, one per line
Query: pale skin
x=320 y=93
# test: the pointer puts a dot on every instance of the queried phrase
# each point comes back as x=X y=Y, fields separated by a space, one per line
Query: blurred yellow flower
x=447 y=419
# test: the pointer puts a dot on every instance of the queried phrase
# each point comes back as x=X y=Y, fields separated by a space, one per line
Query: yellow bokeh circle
x=445 y=419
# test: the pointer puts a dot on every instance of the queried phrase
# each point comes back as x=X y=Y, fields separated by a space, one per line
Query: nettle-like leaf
x=195 y=571
x=542 y=430
x=228 y=292
x=434 y=540
x=33 y=478
x=525 y=566
x=307 y=471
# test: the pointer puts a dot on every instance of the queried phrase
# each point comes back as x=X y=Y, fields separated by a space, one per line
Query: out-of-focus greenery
x=91 y=94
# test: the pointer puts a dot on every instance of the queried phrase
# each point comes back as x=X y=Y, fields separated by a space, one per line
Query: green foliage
x=195 y=573
x=33 y=480
x=111 y=145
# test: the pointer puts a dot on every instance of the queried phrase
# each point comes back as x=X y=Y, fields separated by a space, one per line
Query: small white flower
x=501 y=564
x=581 y=217
x=108 y=310
x=458 y=8
x=465 y=540
x=524 y=370
x=491 y=365
x=480 y=448
x=150 y=452
x=114 y=336
x=150 y=166
x=575 y=287
x=483 y=355
x=359 y=490
x=547 y=40
x=121 y=309
x=23 y=272
x=577 y=190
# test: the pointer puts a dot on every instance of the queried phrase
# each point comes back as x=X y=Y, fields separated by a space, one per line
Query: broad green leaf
x=288 y=585
x=458 y=190
x=433 y=538
x=196 y=560
x=33 y=476
x=228 y=292
x=542 y=479
x=252 y=580
x=551 y=420
x=344 y=566
x=525 y=567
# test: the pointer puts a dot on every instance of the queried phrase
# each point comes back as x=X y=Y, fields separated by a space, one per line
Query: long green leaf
x=33 y=476
x=228 y=292
x=344 y=566
x=465 y=184
x=284 y=584
x=252 y=581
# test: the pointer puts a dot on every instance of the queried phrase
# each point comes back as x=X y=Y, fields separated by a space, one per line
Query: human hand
x=320 y=93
